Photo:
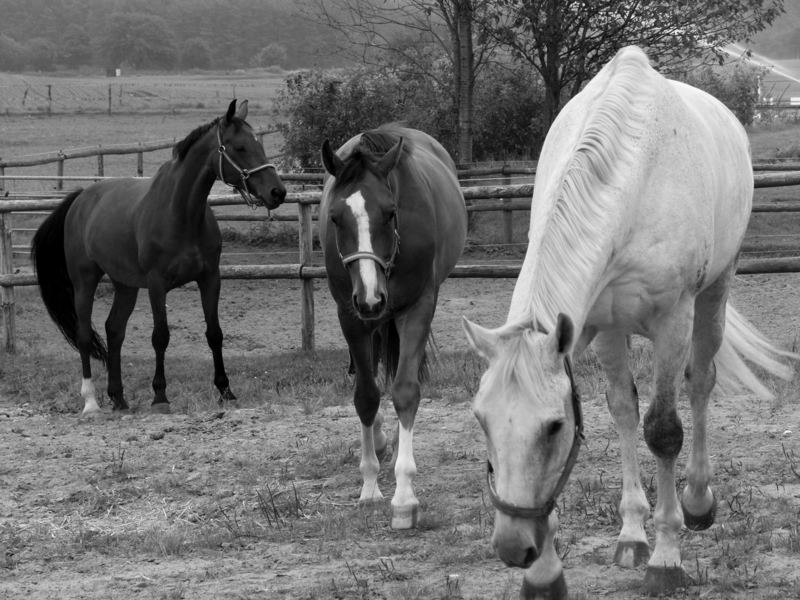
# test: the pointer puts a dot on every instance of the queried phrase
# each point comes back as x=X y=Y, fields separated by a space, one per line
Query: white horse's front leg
x=405 y=506
x=663 y=433
x=623 y=404
x=544 y=579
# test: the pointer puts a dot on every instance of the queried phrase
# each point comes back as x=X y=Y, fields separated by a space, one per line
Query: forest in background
x=48 y=35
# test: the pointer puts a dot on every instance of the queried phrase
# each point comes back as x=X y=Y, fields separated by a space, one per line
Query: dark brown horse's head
x=363 y=213
x=242 y=163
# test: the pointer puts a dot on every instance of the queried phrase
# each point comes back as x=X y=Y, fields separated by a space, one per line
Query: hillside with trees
x=48 y=35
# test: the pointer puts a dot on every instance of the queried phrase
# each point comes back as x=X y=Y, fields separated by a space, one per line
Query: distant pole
x=100 y=167
x=60 y=171
x=49 y=98
x=140 y=162
x=109 y=98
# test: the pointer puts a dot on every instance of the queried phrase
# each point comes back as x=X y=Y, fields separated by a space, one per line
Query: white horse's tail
x=743 y=342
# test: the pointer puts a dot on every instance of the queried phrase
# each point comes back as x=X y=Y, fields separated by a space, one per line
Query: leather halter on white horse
x=643 y=192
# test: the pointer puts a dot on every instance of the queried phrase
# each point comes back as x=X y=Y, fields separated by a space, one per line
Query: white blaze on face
x=367 y=268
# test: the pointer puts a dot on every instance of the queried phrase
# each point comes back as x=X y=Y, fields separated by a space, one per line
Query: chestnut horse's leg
x=413 y=327
x=117 y=321
x=663 y=433
x=209 y=285
x=367 y=400
x=611 y=348
x=160 y=338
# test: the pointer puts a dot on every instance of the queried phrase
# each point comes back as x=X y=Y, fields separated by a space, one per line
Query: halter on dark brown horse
x=393 y=224
x=154 y=233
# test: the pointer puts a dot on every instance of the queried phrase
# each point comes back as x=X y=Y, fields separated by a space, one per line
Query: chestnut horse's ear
x=231 y=111
x=241 y=112
x=333 y=164
x=565 y=333
x=389 y=160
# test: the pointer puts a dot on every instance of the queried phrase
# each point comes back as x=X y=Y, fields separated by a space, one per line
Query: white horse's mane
x=573 y=242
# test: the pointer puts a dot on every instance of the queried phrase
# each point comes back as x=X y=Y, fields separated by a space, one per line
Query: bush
x=509 y=120
x=735 y=86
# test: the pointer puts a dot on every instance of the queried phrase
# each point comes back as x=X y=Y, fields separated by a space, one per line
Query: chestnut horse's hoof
x=665 y=580
x=631 y=554
x=700 y=522
x=555 y=590
x=405 y=517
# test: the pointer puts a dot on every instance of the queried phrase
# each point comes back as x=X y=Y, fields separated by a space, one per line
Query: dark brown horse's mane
x=180 y=149
x=371 y=146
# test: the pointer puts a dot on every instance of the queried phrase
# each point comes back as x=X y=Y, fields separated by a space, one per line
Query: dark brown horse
x=154 y=233
x=393 y=224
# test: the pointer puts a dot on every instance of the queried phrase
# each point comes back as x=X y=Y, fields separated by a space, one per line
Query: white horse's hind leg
x=90 y=406
x=663 y=433
x=698 y=501
x=623 y=403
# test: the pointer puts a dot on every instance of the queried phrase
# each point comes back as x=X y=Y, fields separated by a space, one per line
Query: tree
x=41 y=54
x=12 y=54
x=272 y=54
x=142 y=41
x=404 y=31
x=568 y=41
x=75 y=45
x=195 y=54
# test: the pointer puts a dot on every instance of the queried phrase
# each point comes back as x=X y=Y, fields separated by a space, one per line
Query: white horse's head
x=529 y=410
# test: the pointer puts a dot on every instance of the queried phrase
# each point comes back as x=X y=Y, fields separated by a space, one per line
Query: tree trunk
x=465 y=78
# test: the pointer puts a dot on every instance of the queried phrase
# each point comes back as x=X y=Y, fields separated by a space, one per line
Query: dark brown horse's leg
x=84 y=299
x=413 y=328
x=160 y=339
x=209 y=296
x=367 y=400
x=117 y=321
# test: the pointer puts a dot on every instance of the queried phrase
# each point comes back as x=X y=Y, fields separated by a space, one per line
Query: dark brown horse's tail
x=50 y=263
x=389 y=344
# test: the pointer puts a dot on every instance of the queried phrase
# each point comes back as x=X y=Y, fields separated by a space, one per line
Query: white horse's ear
x=482 y=340
x=241 y=112
x=564 y=334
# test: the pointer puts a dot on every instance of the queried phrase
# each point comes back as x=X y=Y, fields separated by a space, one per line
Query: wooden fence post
x=100 y=168
x=7 y=292
x=140 y=162
x=60 y=171
x=508 y=214
x=307 y=289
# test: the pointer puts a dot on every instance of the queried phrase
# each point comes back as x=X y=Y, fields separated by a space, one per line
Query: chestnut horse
x=393 y=224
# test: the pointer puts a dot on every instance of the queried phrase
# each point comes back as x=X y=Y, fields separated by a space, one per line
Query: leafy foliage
x=139 y=41
x=568 y=42
x=736 y=87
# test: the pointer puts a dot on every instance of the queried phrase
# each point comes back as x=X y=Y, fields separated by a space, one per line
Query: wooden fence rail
x=504 y=198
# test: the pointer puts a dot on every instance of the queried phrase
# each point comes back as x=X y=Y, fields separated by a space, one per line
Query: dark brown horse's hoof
x=226 y=395
x=665 y=580
x=700 y=522
x=162 y=408
x=631 y=554
x=555 y=590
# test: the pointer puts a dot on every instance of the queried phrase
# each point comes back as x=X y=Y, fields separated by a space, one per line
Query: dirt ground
x=260 y=502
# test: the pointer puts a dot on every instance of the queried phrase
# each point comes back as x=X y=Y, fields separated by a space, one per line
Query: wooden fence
x=507 y=197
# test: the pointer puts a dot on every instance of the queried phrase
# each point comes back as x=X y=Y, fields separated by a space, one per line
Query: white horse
x=643 y=192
